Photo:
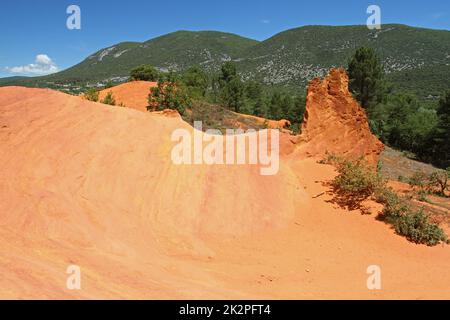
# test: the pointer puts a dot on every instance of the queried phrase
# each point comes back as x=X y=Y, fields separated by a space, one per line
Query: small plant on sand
x=109 y=99
x=356 y=182
x=417 y=228
x=356 y=178
x=91 y=95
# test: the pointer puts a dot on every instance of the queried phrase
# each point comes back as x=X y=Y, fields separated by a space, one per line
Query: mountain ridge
x=417 y=59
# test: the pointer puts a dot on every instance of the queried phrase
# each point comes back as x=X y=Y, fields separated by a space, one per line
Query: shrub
x=145 y=73
x=394 y=206
x=422 y=195
x=357 y=182
x=419 y=180
x=356 y=178
x=417 y=228
x=169 y=95
x=439 y=180
x=109 y=84
x=109 y=99
x=91 y=95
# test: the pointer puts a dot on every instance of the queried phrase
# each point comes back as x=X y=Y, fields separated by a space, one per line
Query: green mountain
x=174 y=51
x=415 y=59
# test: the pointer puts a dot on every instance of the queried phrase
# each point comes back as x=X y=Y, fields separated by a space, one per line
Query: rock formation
x=335 y=122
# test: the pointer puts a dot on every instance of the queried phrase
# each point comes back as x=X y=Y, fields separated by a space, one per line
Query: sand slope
x=132 y=94
x=92 y=185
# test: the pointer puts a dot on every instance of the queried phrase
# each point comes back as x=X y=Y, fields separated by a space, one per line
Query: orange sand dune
x=87 y=184
x=132 y=94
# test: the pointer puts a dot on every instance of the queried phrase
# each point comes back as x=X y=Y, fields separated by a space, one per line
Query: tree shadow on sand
x=346 y=200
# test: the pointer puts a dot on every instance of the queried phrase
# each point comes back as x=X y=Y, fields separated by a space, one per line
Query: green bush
x=109 y=84
x=355 y=177
x=418 y=180
x=109 y=99
x=436 y=182
x=91 y=95
x=357 y=182
x=169 y=95
x=145 y=73
x=394 y=206
x=417 y=228
x=440 y=180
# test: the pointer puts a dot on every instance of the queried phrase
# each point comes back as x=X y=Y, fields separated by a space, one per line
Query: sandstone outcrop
x=334 y=121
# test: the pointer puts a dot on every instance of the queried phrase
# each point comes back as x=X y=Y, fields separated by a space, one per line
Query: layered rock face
x=335 y=122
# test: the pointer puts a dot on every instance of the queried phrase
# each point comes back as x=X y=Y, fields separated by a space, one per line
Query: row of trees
x=401 y=120
x=226 y=88
x=253 y=98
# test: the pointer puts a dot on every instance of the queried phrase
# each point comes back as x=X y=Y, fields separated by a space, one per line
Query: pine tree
x=196 y=80
x=145 y=73
x=275 y=104
x=231 y=87
x=366 y=77
x=442 y=132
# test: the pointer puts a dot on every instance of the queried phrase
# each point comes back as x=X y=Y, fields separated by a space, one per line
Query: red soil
x=133 y=94
x=335 y=123
x=85 y=184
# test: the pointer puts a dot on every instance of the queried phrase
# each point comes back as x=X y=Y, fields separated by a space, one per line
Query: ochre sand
x=92 y=185
x=130 y=94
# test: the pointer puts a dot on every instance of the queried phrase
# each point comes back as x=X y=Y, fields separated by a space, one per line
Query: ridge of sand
x=133 y=94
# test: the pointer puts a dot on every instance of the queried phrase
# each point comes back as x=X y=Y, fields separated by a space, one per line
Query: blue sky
x=31 y=28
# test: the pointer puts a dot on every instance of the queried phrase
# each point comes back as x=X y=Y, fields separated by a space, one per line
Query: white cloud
x=42 y=65
x=265 y=21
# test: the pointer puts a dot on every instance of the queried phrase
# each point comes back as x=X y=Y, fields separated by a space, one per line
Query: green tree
x=253 y=99
x=275 y=105
x=441 y=137
x=196 y=81
x=259 y=109
x=297 y=110
x=404 y=122
x=228 y=72
x=286 y=106
x=169 y=95
x=231 y=87
x=366 y=77
x=144 y=73
x=253 y=91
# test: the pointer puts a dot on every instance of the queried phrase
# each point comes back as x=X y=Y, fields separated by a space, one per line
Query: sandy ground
x=87 y=184
x=130 y=94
